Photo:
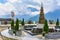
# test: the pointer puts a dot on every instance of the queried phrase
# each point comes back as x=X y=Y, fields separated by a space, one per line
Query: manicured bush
x=14 y=32
x=30 y=22
x=43 y=33
x=46 y=27
x=57 y=23
x=17 y=25
x=22 y=22
x=12 y=24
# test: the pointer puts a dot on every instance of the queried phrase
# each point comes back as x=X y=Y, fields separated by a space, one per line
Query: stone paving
x=0 y=34
x=2 y=28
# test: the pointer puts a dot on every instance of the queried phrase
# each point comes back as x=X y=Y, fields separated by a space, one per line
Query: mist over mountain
x=20 y=17
x=49 y=16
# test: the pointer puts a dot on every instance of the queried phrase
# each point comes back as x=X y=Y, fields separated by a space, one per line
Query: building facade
x=5 y=20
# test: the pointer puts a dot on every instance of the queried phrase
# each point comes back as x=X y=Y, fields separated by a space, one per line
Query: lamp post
x=12 y=15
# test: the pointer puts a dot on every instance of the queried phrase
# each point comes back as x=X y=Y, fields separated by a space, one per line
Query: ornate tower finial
x=41 y=4
x=41 y=18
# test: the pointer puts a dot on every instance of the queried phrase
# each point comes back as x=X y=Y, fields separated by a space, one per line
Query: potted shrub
x=14 y=32
x=43 y=34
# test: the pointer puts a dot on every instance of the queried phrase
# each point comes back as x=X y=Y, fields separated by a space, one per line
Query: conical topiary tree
x=30 y=22
x=22 y=22
x=17 y=25
x=46 y=27
x=12 y=24
x=57 y=22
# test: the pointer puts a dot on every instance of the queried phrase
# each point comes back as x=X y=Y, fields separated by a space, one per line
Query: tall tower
x=41 y=18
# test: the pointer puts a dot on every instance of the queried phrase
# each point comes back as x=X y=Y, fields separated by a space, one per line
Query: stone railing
x=6 y=36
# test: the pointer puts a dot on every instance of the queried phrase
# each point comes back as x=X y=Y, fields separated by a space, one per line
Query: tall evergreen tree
x=17 y=25
x=22 y=22
x=57 y=23
x=46 y=27
x=12 y=24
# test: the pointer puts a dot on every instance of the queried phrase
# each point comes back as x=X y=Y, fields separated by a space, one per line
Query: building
x=41 y=18
x=5 y=20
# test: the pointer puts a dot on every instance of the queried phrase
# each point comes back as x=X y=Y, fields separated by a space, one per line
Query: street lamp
x=12 y=15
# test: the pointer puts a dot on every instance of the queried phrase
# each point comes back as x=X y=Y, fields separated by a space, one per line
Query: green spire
x=12 y=24
x=57 y=23
x=46 y=27
x=17 y=25
x=22 y=22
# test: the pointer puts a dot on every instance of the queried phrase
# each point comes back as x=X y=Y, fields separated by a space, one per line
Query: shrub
x=30 y=22
x=57 y=23
x=14 y=32
x=43 y=33
x=22 y=22
x=17 y=25
x=46 y=27
x=12 y=24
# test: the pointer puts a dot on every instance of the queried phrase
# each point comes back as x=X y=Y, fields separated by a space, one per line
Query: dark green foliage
x=12 y=24
x=57 y=23
x=46 y=27
x=17 y=25
x=43 y=34
x=22 y=22
x=14 y=31
x=30 y=22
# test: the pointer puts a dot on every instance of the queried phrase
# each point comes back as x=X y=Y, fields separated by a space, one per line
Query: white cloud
x=9 y=7
x=20 y=6
x=37 y=7
x=6 y=8
x=13 y=1
x=34 y=13
x=58 y=2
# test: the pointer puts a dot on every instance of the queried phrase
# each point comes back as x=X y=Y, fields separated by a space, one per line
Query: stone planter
x=18 y=33
x=10 y=31
x=43 y=38
x=22 y=27
x=43 y=34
